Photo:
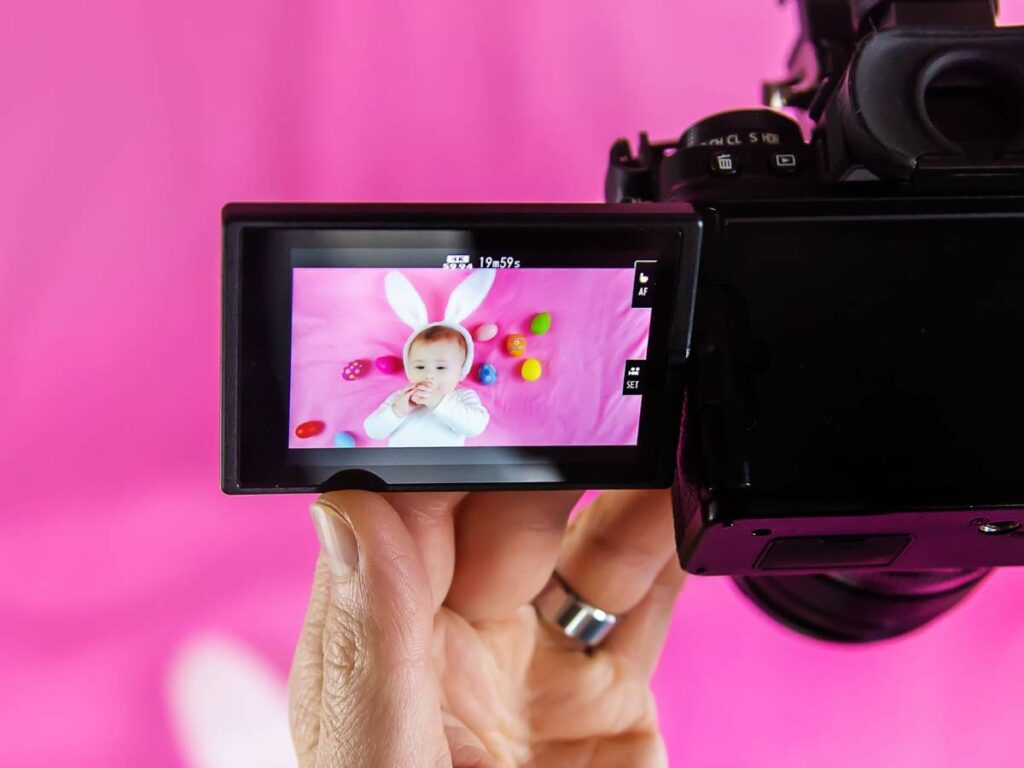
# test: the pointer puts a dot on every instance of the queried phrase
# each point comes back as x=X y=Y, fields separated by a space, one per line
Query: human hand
x=421 y=646
x=403 y=404
x=428 y=395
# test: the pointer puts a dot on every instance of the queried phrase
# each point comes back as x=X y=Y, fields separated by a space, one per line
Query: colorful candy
x=516 y=344
x=541 y=323
x=388 y=364
x=531 y=369
x=487 y=374
x=344 y=440
x=353 y=370
x=485 y=332
x=308 y=429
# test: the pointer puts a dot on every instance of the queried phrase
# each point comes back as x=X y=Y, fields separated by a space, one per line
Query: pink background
x=125 y=126
x=343 y=315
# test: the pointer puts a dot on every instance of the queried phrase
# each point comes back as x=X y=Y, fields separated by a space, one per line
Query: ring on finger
x=560 y=606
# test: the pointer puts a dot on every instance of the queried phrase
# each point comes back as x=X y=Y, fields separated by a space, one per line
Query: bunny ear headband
x=466 y=297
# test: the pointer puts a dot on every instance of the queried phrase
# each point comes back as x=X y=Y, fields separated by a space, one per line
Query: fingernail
x=336 y=539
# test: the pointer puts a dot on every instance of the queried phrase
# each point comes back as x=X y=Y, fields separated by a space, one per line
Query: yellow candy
x=531 y=369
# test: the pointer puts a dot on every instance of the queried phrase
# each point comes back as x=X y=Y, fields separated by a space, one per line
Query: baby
x=431 y=410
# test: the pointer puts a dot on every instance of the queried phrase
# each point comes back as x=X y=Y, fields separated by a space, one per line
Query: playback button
x=784 y=163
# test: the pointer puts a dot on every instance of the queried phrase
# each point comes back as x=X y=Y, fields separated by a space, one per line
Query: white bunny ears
x=466 y=297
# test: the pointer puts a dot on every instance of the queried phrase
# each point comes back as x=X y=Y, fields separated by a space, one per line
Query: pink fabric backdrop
x=125 y=574
x=342 y=315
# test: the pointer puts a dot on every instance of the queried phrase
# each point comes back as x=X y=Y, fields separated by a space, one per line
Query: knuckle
x=345 y=652
x=346 y=679
x=608 y=546
x=427 y=508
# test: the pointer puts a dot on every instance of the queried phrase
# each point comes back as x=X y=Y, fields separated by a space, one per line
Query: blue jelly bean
x=344 y=440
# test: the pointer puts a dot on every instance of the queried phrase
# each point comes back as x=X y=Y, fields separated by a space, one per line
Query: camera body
x=828 y=330
x=850 y=399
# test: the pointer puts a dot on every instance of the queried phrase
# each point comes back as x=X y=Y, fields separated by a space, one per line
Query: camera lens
x=860 y=607
x=972 y=104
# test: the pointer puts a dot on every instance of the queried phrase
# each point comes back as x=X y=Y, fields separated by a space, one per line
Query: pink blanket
x=341 y=315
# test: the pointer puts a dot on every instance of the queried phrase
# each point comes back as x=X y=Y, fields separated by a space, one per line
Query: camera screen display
x=428 y=346
x=465 y=354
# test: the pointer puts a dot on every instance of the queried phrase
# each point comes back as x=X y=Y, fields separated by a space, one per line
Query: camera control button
x=644 y=283
x=784 y=163
x=633 y=382
x=724 y=164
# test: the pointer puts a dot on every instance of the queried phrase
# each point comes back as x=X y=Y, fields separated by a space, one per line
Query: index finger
x=506 y=545
x=429 y=518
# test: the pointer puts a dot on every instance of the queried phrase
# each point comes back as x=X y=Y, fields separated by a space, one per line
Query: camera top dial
x=741 y=154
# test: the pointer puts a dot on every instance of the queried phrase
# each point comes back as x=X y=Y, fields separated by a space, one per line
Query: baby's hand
x=403 y=405
x=426 y=395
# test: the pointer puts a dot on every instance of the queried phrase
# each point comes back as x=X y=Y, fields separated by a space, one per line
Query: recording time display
x=505 y=262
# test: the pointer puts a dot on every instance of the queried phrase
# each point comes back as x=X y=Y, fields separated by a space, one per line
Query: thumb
x=380 y=702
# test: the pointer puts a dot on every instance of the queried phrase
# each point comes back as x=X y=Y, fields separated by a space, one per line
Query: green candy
x=541 y=323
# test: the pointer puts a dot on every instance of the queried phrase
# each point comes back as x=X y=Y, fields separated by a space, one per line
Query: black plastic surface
x=831 y=552
x=853 y=373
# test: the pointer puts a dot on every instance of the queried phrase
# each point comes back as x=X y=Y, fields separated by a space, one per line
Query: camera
x=816 y=342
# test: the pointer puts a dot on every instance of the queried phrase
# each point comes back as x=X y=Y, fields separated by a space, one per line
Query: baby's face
x=439 y=362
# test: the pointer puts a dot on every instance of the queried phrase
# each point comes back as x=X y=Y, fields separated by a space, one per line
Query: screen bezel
x=259 y=240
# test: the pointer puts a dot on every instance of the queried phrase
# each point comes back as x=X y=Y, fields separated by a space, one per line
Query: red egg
x=388 y=364
x=309 y=429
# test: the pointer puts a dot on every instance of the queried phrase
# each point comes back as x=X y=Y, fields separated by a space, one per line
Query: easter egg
x=515 y=344
x=344 y=440
x=388 y=364
x=353 y=370
x=531 y=369
x=541 y=323
x=309 y=429
x=488 y=374
x=485 y=332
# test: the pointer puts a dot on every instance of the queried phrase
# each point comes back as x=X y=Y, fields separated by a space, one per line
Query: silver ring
x=574 y=617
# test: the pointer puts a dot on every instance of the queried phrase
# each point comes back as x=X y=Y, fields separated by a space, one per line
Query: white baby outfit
x=459 y=415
